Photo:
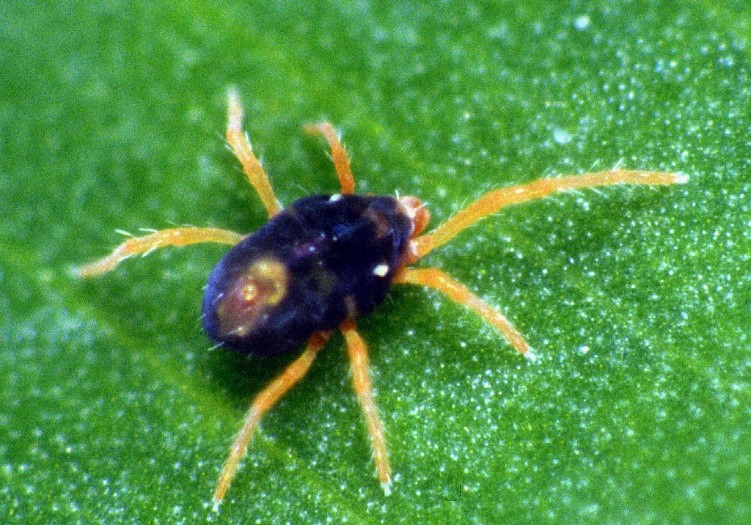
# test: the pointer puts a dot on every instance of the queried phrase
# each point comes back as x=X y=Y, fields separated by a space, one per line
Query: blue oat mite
x=325 y=260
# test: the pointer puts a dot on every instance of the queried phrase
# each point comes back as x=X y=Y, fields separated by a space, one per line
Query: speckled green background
x=114 y=410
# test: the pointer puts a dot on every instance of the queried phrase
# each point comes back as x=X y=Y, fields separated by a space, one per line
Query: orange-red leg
x=160 y=239
x=341 y=160
x=240 y=145
x=358 y=357
x=495 y=200
x=266 y=399
x=435 y=278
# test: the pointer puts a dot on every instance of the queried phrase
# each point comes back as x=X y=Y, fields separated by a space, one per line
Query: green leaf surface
x=113 y=407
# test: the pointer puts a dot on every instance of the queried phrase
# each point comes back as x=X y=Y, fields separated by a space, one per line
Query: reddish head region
x=317 y=263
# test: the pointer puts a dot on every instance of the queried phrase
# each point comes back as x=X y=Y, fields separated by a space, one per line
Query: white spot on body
x=381 y=270
x=335 y=197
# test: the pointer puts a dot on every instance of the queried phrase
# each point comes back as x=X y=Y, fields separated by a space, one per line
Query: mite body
x=325 y=260
x=320 y=261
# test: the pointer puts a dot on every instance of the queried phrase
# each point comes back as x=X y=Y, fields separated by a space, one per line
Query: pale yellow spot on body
x=250 y=292
x=248 y=299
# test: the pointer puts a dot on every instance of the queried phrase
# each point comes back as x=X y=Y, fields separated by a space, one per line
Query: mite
x=325 y=260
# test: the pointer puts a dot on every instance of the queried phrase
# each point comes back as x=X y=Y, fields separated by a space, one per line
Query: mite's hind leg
x=341 y=160
x=495 y=200
x=159 y=239
x=358 y=357
x=456 y=291
x=240 y=145
x=266 y=399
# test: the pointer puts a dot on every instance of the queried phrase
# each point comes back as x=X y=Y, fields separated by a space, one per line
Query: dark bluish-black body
x=320 y=261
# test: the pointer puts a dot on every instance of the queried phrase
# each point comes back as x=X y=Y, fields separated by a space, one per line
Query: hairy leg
x=358 y=357
x=240 y=145
x=341 y=160
x=159 y=239
x=456 y=291
x=266 y=399
x=495 y=200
